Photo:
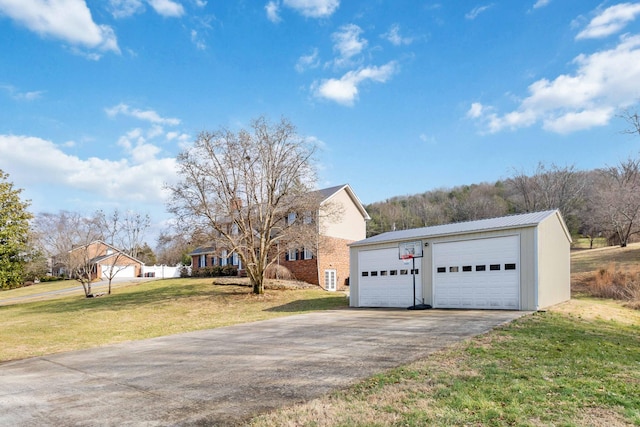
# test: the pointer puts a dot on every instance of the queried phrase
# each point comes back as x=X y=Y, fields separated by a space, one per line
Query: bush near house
x=216 y=271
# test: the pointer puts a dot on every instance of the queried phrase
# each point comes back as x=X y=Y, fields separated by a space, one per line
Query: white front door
x=330 y=280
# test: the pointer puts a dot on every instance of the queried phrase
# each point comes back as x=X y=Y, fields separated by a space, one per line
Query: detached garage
x=518 y=262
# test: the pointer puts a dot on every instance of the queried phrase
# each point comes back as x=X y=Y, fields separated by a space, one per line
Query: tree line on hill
x=603 y=202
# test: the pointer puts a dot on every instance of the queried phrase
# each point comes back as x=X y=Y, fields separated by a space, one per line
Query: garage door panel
x=386 y=289
x=128 y=271
x=471 y=286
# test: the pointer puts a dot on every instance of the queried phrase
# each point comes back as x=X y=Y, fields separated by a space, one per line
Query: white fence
x=162 y=271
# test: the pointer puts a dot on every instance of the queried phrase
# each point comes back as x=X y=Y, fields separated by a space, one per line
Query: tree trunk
x=258 y=288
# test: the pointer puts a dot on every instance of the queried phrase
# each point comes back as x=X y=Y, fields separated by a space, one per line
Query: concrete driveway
x=226 y=375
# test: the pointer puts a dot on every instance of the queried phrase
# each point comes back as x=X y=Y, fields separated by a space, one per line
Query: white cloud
x=575 y=121
x=146 y=115
x=198 y=41
x=476 y=110
x=167 y=8
x=313 y=8
x=68 y=20
x=272 y=8
x=393 y=35
x=477 y=11
x=306 y=62
x=610 y=21
x=115 y=180
x=345 y=90
x=347 y=43
x=541 y=3
x=603 y=82
x=22 y=96
x=125 y=8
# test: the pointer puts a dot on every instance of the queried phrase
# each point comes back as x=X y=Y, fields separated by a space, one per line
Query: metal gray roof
x=512 y=221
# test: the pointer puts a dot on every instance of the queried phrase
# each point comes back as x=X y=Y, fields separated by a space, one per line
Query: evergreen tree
x=14 y=233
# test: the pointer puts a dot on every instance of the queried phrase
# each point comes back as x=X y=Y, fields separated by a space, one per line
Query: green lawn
x=145 y=310
x=550 y=368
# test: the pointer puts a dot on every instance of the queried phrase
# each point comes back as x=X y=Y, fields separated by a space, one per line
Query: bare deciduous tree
x=123 y=231
x=239 y=188
x=633 y=119
x=63 y=232
x=617 y=200
x=548 y=188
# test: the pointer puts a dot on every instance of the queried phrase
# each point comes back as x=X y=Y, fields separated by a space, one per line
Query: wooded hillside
x=602 y=202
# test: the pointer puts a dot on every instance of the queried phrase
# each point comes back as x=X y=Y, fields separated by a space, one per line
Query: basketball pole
x=421 y=306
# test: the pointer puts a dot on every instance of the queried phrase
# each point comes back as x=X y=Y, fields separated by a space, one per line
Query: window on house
x=234 y=229
x=308 y=254
x=223 y=258
x=292 y=254
x=291 y=218
x=307 y=218
x=202 y=262
x=234 y=258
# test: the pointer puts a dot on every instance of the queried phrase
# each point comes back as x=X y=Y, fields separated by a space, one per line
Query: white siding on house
x=349 y=225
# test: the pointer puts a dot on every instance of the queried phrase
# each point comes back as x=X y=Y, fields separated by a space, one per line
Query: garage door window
x=509 y=266
x=383 y=273
x=365 y=274
x=466 y=268
x=494 y=267
x=403 y=272
x=481 y=268
x=393 y=272
x=374 y=273
x=442 y=269
x=453 y=269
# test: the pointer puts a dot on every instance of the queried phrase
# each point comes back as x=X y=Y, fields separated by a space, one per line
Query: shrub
x=278 y=272
x=614 y=283
x=216 y=271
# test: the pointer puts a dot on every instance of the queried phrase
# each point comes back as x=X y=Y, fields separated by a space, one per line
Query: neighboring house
x=103 y=256
x=327 y=263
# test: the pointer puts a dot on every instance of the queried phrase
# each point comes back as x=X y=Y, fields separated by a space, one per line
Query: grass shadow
x=147 y=293
x=312 y=304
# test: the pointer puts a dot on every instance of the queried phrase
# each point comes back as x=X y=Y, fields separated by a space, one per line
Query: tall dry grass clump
x=616 y=283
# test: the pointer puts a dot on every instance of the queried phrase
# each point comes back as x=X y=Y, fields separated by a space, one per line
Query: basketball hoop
x=406 y=259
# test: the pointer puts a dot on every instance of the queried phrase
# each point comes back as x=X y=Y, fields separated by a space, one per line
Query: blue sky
x=98 y=97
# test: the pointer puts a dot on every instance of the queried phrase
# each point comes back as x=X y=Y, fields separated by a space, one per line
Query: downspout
x=536 y=277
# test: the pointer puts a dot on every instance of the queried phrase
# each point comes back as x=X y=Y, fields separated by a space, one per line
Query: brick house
x=327 y=263
x=103 y=256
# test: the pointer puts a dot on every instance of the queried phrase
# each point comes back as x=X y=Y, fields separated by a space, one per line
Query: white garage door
x=482 y=273
x=385 y=281
x=121 y=272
